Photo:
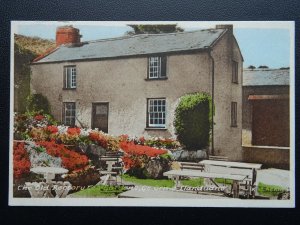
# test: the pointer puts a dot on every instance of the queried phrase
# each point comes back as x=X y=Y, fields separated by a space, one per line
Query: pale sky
x=261 y=43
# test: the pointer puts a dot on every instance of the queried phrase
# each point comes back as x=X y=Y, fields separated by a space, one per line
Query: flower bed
x=21 y=161
x=138 y=158
x=70 y=160
x=56 y=139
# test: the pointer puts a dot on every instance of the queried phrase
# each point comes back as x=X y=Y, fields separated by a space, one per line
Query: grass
x=149 y=182
x=197 y=182
x=223 y=181
x=269 y=190
x=100 y=191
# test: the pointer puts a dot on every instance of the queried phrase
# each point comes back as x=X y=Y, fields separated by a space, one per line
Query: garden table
x=196 y=173
x=49 y=175
x=237 y=168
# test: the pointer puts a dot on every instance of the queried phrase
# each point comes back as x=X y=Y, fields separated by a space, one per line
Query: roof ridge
x=140 y=35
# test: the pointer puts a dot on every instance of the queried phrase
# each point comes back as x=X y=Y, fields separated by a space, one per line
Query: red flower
x=70 y=160
x=52 y=129
x=73 y=131
x=132 y=149
x=39 y=117
x=98 y=138
x=21 y=161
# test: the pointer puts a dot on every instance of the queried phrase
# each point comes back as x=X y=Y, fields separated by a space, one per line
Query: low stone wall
x=269 y=156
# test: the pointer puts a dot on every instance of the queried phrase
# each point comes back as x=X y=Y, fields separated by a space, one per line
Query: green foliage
x=101 y=191
x=149 y=182
x=39 y=149
x=38 y=102
x=25 y=50
x=193 y=120
x=197 y=182
x=251 y=67
x=154 y=29
x=269 y=190
x=263 y=67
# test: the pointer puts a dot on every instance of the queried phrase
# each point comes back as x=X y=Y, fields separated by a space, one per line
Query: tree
x=251 y=67
x=192 y=123
x=153 y=29
x=263 y=67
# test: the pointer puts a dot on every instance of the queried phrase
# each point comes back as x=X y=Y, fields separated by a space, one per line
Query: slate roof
x=136 y=45
x=260 y=77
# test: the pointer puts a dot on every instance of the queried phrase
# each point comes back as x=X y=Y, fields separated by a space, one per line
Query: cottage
x=266 y=117
x=131 y=84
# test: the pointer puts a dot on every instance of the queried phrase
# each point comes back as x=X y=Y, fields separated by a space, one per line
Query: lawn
x=149 y=182
x=100 y=191
x=269 y=190
x=104 y=191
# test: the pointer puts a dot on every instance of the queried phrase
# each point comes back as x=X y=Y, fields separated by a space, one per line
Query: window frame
x=71 y=117
x=73 y=76
x=233 y=114
x=163 y=116
x=161 y=67
x=235 y=72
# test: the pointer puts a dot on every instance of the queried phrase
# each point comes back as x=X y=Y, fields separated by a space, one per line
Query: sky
x=261 y=43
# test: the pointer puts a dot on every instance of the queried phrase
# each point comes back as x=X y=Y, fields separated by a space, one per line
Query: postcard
x=152 y=113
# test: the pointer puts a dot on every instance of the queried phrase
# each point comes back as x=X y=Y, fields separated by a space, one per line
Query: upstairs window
x=235 y=72
x=157 y=67
x=234 y=114
x=156 y=113
x=70 y=77
x=69 y=112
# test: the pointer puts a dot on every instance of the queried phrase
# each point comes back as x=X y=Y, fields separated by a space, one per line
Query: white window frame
x=156 y=114
x=156 y=72
x=70 y=73
x=72 y=113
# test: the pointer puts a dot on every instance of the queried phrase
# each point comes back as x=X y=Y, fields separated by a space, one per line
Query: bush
x=37 y=103
x=193 y=120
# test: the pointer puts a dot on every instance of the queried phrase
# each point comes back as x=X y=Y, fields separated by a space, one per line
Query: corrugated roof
x=136 y=45
x=259 y=77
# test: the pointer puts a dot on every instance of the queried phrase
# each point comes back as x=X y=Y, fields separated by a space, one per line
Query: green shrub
x=193 y=120
x=38 y=103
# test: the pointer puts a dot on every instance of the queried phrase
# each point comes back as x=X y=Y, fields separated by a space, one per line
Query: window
x=156 y=113
x=70 y=77
x=233 y=114
x=69 y=111
x=235 y=72
x=157 y=67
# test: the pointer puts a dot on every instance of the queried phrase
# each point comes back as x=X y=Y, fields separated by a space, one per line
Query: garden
x=41 y=141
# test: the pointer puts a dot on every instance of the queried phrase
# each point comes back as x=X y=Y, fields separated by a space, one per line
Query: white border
x=152 y=201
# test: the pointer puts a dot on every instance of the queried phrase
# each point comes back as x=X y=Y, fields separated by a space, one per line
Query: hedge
x=193 y=120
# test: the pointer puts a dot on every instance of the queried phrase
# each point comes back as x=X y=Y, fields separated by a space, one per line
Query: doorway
x=100 y=116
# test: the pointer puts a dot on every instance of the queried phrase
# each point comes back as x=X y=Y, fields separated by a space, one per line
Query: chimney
x=67 y=35
x=229 y=27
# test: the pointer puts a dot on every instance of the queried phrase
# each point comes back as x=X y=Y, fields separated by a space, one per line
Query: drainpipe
x=212 y=100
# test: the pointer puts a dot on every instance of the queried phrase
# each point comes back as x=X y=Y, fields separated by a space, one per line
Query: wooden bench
x=177 y=174
x=191 y=166
x=218 y=158
x=114 y=167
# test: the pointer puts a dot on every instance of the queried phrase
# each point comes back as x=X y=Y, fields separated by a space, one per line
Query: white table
x=49 y=175
x=231 y=167
x=196 y=173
